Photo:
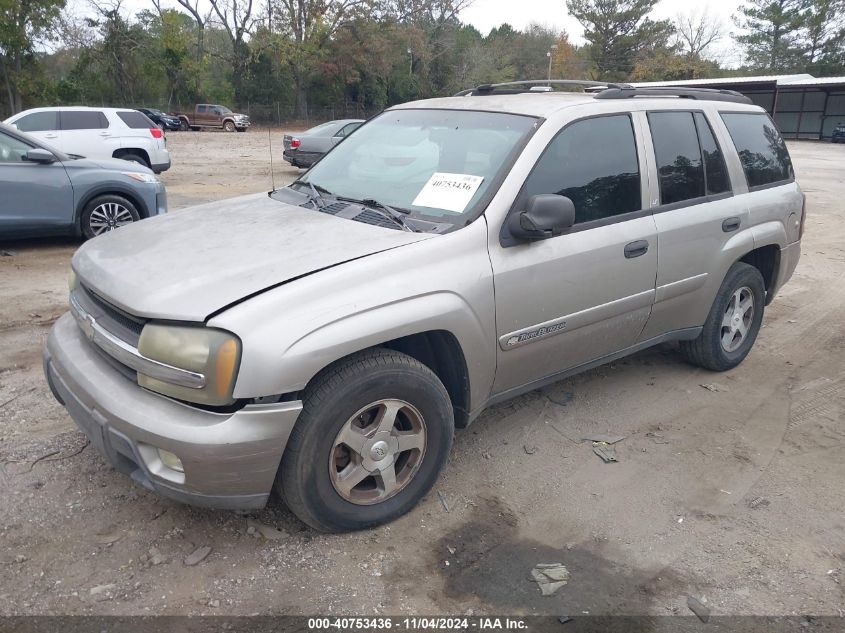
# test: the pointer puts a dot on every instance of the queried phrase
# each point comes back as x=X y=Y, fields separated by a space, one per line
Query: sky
x=486 y=14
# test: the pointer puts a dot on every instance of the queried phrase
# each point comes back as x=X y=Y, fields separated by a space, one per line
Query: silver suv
x=326 y=339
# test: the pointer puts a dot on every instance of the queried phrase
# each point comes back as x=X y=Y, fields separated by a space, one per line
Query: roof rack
x=707 y=94
x=525 y=85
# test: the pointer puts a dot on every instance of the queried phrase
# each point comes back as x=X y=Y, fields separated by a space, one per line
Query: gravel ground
x=732 y=494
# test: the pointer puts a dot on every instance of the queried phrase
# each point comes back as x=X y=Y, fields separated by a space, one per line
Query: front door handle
x=635 y=249
x=51 y=136
x=731 y=224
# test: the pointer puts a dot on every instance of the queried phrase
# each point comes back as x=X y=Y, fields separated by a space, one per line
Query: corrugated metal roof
x=780 y=80
x=815 y=81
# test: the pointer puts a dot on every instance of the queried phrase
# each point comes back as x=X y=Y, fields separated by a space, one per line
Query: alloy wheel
x=737 y=319
x=109 y=216
x=377 y=451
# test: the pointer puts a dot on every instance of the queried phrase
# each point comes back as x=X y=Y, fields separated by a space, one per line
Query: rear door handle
x=730 y=224
x=635 y=249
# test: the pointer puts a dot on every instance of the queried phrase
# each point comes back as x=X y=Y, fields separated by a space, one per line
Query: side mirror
x=40 y=155
x=547 y=215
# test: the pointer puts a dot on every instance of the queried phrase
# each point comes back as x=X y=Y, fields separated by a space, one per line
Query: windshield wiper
x=316 y=196
x=393 y=213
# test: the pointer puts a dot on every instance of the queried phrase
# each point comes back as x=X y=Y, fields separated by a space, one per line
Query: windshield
x=224 y=110
x=436 y=163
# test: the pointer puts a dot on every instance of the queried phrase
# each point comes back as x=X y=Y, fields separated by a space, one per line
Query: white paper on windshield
x=448 y=191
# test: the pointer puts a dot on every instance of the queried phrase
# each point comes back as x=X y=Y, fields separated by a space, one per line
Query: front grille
x=124 y=326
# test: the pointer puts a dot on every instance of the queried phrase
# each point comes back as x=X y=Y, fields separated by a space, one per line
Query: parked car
x=838 y=135
x=305 y=149
x=210 y=115
x=325 y=340
x=164 y=121
x=48 y=192
x=97 y=133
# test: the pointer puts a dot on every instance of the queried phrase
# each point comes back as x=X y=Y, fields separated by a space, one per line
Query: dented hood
x=192 y=263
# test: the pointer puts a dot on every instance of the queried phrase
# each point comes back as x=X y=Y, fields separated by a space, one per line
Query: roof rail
x=514 y=87
x=706 y=94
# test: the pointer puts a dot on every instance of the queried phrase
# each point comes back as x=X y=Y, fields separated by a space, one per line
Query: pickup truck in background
x=210 y=115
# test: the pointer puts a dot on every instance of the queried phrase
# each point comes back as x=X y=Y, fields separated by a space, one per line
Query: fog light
x=170 y=460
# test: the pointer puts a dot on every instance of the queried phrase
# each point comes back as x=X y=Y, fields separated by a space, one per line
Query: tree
x=23 y=24
x=771 y=33
x=200 y=19
x=618 y=32
x=310 y=24
x=824 y=36
x=696 y=31
x=237 y=19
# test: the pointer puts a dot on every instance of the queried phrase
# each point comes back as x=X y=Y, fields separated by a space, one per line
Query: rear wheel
x=107 y=213
x=733 y=323
x=373 y=435
x=229 y=126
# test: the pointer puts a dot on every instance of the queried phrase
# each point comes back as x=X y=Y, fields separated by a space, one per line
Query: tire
x=362 y=387
x=722 y=345
x=183 y=125
x=107 y=213
x=229 y=126
x=135 y=158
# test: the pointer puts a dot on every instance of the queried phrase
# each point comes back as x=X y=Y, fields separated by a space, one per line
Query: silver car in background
x=326 y=340
x=47 y=192
x=305 y=149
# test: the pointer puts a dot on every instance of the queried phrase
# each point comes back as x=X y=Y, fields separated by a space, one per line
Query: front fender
x=291 y=332
x=444 y=311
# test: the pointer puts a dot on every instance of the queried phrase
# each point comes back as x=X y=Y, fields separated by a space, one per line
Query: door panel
x=702 y=228
x=36 y=197
x=567 y=300
x=87 y=133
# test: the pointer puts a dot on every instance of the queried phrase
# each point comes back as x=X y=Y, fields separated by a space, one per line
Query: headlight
x=140 y=176
x=72 y=280
x=213 y=353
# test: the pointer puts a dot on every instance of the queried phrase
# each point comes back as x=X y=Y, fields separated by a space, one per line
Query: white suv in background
x=98 y=133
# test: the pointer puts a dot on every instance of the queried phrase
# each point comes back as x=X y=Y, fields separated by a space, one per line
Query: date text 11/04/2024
x=418 y=624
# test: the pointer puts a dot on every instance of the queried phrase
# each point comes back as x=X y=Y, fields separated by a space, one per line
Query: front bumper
x=242 y=125
x=230 y=459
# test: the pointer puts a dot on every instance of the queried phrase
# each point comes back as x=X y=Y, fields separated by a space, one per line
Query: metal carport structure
x=802 y=106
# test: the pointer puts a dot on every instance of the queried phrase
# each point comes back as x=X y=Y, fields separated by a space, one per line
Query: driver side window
x=594 y=163
x=12 y=150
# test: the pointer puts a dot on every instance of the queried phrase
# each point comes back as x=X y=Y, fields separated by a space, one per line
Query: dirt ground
x=732 y=494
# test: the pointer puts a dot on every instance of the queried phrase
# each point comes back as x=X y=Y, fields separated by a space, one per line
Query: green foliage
x=23 y=25
x=321 y=58
x=618 y=32
x=773 y=32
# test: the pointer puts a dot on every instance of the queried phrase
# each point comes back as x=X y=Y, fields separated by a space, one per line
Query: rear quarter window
x=761 y=149
x=135 y=120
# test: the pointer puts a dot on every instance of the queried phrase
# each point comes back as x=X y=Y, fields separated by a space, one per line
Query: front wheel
x=183 y=125
x=733 y=323
x=107 y=213
x=229 y=126
x=374 y=433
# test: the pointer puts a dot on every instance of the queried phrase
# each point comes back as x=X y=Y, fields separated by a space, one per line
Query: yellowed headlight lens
x=213 y=353
x=72 y=280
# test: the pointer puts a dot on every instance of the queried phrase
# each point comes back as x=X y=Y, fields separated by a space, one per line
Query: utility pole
x=549 y=55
